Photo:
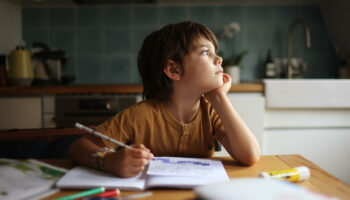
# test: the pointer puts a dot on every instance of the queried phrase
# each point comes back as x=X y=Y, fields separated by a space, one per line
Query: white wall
x=10 y=26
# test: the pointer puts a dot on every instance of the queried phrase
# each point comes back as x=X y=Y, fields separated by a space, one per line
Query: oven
x=90 y=110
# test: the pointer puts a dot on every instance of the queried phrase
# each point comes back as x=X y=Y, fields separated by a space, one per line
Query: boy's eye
x=206 y=52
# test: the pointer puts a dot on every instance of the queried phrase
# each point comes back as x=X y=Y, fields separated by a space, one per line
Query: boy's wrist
x=215 y=97
x=99 y=158
x=112 y=162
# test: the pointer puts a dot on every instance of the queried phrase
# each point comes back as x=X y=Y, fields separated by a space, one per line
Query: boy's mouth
x=219 y=72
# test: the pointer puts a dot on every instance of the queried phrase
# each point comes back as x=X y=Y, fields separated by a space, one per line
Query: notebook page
x=179 y=166
x=84 y=178
x=187 y=173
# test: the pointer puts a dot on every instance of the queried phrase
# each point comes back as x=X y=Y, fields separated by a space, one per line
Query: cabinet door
x=48 y=102
x=320 y=135
x=250 y=107
x=20 y=113
x=327 y=148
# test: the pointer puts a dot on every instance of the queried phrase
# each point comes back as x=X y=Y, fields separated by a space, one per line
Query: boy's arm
x=123 y=163
x=239 y=141
x=82 y=149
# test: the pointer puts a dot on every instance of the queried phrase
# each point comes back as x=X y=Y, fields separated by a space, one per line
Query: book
x=27 y=179
x=171 y=172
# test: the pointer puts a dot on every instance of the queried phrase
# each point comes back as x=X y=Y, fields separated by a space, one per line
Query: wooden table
x=320 y=180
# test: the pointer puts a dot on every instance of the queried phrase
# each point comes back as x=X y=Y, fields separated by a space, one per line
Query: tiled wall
x=103 y=41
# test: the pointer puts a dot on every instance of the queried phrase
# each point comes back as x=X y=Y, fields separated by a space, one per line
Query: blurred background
x=101 y=38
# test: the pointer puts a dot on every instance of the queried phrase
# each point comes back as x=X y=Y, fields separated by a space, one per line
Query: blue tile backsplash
x=103 y=41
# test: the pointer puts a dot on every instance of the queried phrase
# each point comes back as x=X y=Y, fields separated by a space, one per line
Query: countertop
x=104 y=89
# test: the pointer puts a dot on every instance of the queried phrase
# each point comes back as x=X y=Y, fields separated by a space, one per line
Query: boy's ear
x=173 y=70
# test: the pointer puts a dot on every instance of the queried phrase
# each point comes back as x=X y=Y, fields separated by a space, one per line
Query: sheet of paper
x=24 y=179
x=178 y=166
x=257 y=188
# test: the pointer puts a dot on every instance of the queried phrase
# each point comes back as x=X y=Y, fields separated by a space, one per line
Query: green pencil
x=83 y=194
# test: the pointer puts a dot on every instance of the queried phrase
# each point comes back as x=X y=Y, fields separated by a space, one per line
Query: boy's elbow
x=251 y=159
x=71 y=151
x=74 y=150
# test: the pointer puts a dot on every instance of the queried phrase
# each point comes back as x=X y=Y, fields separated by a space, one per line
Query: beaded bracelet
x=98 y=157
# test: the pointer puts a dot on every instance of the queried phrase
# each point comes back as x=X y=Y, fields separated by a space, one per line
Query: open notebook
x=174 y=172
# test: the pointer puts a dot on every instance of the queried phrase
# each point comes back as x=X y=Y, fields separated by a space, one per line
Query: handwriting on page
x=175 y=166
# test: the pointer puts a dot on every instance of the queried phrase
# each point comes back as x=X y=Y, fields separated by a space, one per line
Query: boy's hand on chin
x=222 y=90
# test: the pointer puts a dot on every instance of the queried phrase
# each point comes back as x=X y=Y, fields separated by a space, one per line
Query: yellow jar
x=20 y=68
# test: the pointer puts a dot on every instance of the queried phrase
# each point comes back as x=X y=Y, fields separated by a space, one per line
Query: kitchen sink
x=307 y=93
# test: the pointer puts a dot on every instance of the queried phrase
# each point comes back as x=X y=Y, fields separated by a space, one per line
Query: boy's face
x=202 y=67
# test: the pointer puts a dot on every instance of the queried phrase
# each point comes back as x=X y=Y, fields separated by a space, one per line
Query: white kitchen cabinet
x=48 y=117
x=320 y=135
x=27 y=112
x=20 y=113
x=250 y=107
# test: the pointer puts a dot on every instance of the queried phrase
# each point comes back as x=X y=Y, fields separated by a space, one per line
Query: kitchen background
x=102 y=41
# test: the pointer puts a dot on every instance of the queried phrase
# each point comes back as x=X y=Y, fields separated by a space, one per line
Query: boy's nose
x=218 y=60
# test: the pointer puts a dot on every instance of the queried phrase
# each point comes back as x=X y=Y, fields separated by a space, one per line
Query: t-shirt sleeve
x=117 y=128
x=219 y=130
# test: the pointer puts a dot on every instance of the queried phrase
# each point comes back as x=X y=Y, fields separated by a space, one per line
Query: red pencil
x=108 y=193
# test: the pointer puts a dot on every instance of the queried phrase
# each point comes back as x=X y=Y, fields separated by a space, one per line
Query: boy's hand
x=223 y=89
x=128 y=162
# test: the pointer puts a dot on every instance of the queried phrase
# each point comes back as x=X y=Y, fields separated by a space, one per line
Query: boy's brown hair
x=172 y=42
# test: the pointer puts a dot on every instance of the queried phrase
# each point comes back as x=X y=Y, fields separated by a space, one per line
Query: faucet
x=290 y=71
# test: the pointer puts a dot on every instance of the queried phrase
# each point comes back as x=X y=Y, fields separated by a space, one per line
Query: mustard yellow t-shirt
x=150 y=123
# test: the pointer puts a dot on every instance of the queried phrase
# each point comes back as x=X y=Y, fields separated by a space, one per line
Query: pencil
x=109 y=193
x=98 y=134
x=105 y=194
x=83 y=194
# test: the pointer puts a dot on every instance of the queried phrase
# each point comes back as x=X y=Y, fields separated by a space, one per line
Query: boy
x=185 y=110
